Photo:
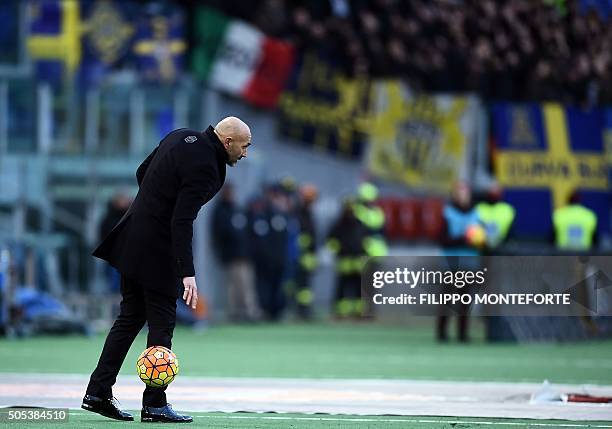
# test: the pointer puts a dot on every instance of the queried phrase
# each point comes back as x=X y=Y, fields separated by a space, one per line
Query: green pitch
x=330 y=351
x=81 y=420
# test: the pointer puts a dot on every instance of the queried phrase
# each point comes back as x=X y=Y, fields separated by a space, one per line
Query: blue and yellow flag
x=160 y=46
x=544 y=152
x=54 y=38
x=106 y=37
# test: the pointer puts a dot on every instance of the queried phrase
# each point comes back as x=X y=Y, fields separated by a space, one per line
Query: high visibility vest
x=375 y=245
x=574 y=227
x=347 y=265
x=497 y=219
x=458 y=221
x=308 y=258
x=373 y=217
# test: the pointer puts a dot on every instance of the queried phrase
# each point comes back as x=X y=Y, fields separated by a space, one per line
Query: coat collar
x=222 y=155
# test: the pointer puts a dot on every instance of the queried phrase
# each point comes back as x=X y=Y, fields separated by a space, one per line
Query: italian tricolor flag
x=245 y=63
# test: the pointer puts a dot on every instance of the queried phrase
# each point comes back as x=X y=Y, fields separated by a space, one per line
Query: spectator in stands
x=272 y=18
x=518 y=50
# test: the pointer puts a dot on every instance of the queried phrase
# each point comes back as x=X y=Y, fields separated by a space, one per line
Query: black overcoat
x=152 y=241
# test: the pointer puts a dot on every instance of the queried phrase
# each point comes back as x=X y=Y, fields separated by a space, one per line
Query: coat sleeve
x=196 y=186
x=142 y=169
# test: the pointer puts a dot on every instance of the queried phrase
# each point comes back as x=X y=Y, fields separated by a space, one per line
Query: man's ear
x=227 y=142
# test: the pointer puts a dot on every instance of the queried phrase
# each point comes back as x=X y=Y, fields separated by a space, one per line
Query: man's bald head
x=232 y=127
x=235 y=136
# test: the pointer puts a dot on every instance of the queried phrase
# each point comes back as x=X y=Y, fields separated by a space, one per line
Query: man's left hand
x=190 y=295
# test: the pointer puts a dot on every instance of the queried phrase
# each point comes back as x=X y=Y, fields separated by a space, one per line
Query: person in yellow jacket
x=574 y=225
x=373 y=218
x=496 y=216
x=345 y=241
x=307 y=259
x=459 y=216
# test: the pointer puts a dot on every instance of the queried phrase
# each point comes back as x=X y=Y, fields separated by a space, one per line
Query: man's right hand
x=190 y=295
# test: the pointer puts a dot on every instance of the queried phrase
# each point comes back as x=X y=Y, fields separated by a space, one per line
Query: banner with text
x=419 y=140
x=543 y=153
x=324 y=108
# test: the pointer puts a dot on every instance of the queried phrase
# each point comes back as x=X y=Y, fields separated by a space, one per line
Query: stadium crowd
x=513 y=50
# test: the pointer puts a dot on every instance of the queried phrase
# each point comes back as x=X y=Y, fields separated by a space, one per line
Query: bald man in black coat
x=151 y=248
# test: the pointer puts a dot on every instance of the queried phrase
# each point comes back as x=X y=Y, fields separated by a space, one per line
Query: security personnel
x=373 y=218
x=346 y=242
x=575 y=229
x=574 y=226
x=291 y=205
x=496 y=216
x=268 y=222
x=307 y=259
x=230 y=237
x=459 y=215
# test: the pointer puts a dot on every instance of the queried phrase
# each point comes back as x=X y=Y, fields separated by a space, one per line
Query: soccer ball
x=475 y=235
x=157 y=366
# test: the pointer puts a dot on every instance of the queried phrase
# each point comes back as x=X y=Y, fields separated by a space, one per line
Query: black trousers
x=139 y=305
x=302 y=282
x=270 y=292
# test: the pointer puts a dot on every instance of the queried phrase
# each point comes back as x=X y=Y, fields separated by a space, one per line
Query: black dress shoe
x=163 y=414
x=108 y=407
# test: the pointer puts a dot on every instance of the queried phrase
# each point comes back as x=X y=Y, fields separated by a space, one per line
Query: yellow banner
x=419 y=140
x=322 y=107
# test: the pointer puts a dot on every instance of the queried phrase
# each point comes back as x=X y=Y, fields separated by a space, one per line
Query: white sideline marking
x=389 y=399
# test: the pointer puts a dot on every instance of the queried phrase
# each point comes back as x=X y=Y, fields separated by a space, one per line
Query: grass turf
x=82 y=419
x=328 y=350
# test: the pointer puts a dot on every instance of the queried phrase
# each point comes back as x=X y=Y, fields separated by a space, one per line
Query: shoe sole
x=154 y=420
x=89 y=408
